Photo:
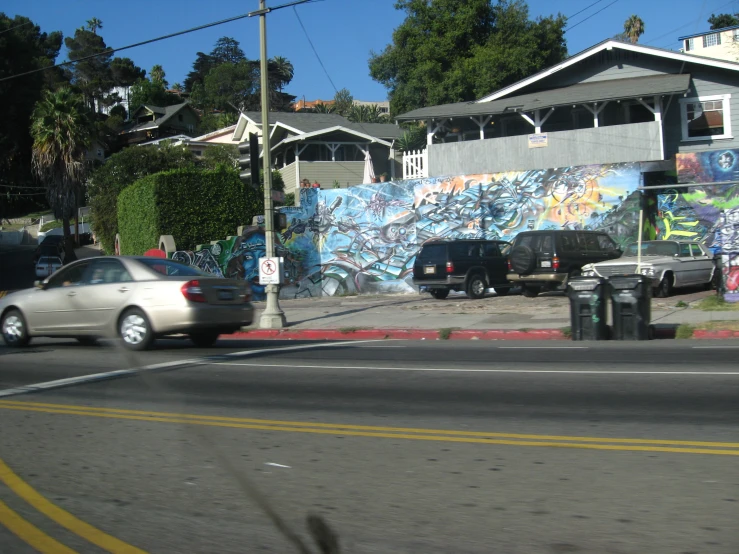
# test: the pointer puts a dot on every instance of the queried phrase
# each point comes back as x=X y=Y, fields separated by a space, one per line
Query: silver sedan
x=134 y=298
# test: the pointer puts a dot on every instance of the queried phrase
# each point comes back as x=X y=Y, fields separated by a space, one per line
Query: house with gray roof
x=326 y=148
x=614 y=102
x=149 y=123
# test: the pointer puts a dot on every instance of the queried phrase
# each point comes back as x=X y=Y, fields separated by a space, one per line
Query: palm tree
x=157 y=75
x=323 y=108
x=62 y=132
x=94 y=24
x=282 y=71
x=366 y=114
x=634 y=28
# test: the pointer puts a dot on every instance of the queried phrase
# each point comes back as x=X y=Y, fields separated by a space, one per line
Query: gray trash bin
x=631 y=298
x=588 y=308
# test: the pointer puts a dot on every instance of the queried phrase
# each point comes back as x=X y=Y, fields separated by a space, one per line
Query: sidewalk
x=457 y=317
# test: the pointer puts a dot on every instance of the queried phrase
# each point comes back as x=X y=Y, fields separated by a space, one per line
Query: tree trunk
x=77 y=216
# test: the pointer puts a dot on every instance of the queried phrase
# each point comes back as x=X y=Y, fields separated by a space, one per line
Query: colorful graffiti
x=364 y=239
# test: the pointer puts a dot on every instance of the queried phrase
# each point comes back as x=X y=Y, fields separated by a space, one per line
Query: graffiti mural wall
x=364 y=239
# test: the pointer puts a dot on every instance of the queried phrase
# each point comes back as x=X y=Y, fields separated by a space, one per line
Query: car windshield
x=653 y=248
x=173 y=269
x=49 y=260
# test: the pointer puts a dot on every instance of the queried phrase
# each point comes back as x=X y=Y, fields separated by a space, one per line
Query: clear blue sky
x=342 y=31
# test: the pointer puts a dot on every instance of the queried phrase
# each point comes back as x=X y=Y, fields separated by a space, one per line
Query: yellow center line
x=29 y=533
x=541 y=441
x=62 y=517
x=337 y=428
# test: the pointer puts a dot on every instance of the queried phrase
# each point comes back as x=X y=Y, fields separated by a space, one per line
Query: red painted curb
x=715 y=334
x=396 y=334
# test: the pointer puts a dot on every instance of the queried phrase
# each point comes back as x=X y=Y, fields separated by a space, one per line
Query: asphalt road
x=401 y=446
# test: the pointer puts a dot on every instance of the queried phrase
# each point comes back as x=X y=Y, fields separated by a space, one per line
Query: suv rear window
x=433 y=253
x=537 y=242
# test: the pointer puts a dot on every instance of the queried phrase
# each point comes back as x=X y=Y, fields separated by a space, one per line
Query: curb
x=395 y=334
x=715 y=334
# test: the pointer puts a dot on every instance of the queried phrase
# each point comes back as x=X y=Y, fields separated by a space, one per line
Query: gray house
x=614 y=102
x=326 y=148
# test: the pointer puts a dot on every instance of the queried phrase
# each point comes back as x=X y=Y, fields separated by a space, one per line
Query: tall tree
x=151 y=92
x=93 y=25
x=458 y=50
x=343 y=102
x=281 y=72
x=62 y=133
x=23 y=47
x=92 y=76
x=125 y=72
x=158 y=76
x=201 y=66
x=634 y=28
x=366 y=114
x=227 y=50
x=723 y=20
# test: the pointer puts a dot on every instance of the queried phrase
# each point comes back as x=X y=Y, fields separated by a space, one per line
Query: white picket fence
x=416 y=164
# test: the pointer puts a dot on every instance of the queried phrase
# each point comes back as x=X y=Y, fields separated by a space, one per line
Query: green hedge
x=195 y=206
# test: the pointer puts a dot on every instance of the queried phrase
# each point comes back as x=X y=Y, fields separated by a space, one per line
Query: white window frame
x=726 y=98
x=706 y=39
x=689 y=44
x=735 y=35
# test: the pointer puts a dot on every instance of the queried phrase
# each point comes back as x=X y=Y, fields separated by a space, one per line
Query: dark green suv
x=544 y=260
x=469 y=265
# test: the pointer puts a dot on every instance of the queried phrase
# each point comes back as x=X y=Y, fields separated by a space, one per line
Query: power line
x=584 y=9
x=314 y=49
x=591 y=15
x=688 y=23
x=112 y=50
x=16 y=27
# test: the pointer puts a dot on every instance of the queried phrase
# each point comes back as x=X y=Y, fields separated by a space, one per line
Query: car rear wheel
x=439 y=294
x=135 y=330
x=203 y=340
x=664 y=289
x=476 y=286
x=530 y=291
x=14 y=329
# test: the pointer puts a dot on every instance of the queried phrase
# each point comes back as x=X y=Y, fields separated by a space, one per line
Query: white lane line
x=713 y=347
x=120 y=373
x=462 y=370
x=543 y=347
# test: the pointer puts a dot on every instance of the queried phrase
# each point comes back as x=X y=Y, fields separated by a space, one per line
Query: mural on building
x=694 y=212
x=729 y=237
x=364 y=239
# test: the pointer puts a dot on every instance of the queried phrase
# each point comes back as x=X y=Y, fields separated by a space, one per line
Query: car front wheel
x=664 y=289
x=14 y=329
x=135 y=330
x=439 y=294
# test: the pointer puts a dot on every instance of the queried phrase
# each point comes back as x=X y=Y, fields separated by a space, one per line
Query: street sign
x=270 y=271
x=539 y=140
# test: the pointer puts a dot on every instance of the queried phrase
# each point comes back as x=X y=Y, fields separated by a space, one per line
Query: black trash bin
x=588 y=308
x=631 y=297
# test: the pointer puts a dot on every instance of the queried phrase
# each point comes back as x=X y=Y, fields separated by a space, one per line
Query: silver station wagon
x=670 y=264
x=134 y=298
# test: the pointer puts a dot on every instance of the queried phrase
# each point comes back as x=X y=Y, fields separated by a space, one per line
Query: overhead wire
x=584 y=9
x=590 y=16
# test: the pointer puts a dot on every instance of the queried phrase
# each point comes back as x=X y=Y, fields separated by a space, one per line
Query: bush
x=122 y=170
x=195 y=206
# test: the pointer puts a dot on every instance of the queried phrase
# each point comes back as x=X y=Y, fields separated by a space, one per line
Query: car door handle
x=123 y=289
x=71 y=293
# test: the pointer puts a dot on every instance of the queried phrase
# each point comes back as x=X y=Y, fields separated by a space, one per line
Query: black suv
x=470 y=265
x=544 y=260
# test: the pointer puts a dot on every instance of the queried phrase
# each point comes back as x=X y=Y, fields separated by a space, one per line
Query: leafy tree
x=229 y=86
x=634 y=28
x=93 y=25
x=153 y=93
x=212 y=121
x=62 y=134
x=24 y=48
x=281 y=72
x=201 y=66
x=125 y=72
x=324 y=108
x=458 y=50
x=226 y=155
x=723 y=20
x=343 y=102
x=93 y=76
x=413 y=138
x=157 y=76
x=366 y=114
x=120 y=171
x=227 y=50
x=178 y=87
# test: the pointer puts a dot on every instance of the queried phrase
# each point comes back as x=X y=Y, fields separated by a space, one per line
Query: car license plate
x=546 y=264
x=429 y=269
x=225 y=295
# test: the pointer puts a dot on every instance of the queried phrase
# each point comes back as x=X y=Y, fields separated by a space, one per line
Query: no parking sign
x=270 y=271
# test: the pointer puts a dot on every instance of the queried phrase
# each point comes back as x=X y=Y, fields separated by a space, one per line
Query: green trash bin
x=631 y=300
x=588 y=308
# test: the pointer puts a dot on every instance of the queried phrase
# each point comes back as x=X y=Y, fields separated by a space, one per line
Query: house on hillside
x=612 y=103
x=326 y=148
x=716 y=43
x=154 y=122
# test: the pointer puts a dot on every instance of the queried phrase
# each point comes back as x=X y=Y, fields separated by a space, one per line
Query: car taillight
x=449 y=267
x=555 y=263
x=510 y=266
x=192 y=291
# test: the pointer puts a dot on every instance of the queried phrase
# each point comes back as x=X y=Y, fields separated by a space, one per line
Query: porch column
x=481 y=122
x=657 y=111
x=333 y=147
x=298 y=150
x=595 y=110
x=538 y=121
x=432 y=128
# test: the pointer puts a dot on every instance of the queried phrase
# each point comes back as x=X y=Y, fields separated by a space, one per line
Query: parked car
x=469 y=265
x=545 y=260
x=51 y=245
x=47 y=265
x=135 y=298
x=670 y=264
